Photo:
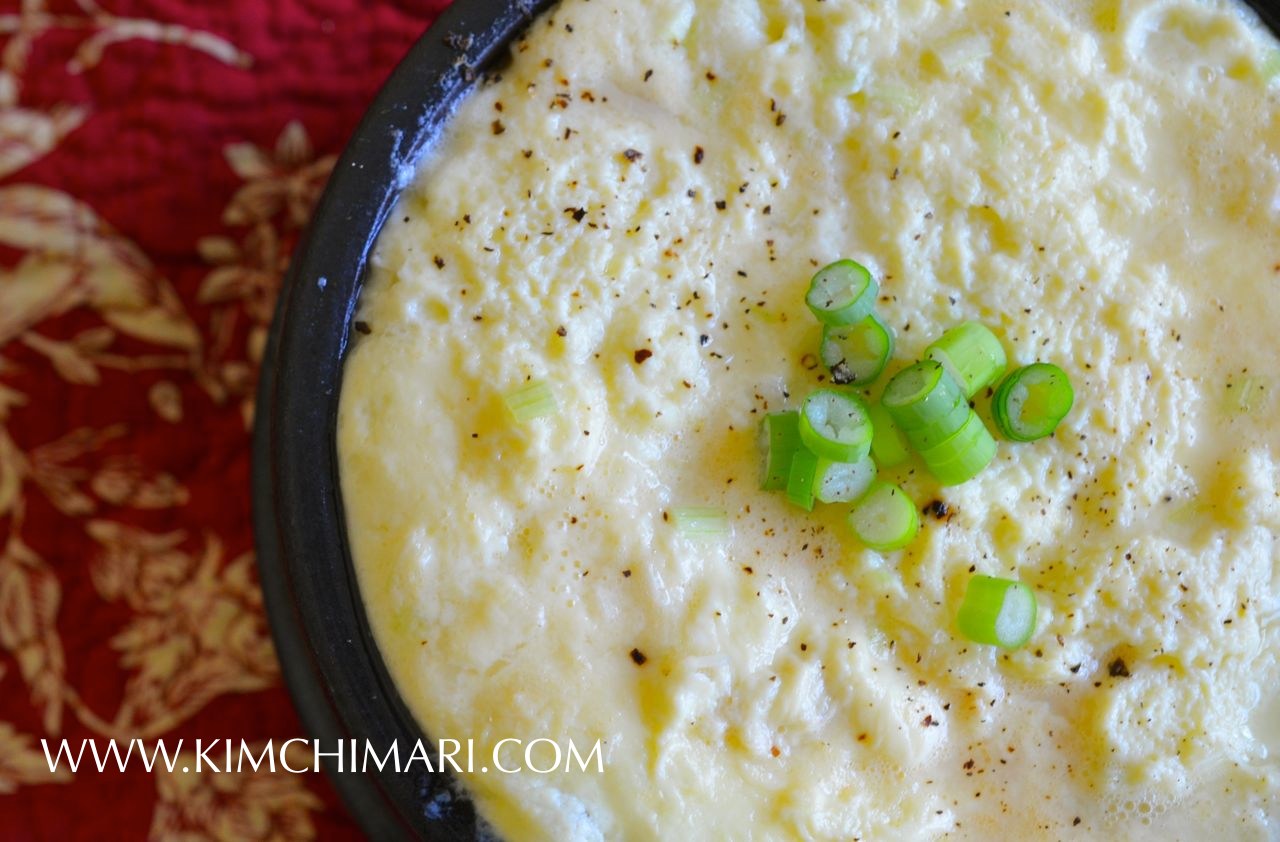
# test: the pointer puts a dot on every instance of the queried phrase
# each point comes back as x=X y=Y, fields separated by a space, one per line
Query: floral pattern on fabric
x=159 y=161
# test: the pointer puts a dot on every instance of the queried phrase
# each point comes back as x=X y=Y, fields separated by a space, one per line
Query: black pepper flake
x=841 y=374
x=638 y=657
x=704 y=340
x=642 y=355
x=1118 y=669
x=721 y=204
x=439 y=261
x=626 y=574
x=576 y=213
x=1076 y=820
x=782 y=118
x=632 y=154
x=938 y=509
x=363 y=328
x=562 y=332
x=497 y=127
x=648 y=74
x=528 y=153
x=697 y=154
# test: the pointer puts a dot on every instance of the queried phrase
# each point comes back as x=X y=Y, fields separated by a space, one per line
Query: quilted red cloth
x=157 y=161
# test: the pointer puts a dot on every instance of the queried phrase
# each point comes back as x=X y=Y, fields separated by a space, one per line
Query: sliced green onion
x=900 y=97
x=835 y=425
x=843 y=482
x=780 y=434
x=1270 y=67
x=843 y=83
x=700 y=521
x=990 y=136
x=842 y=293
x=925 y=440
x=803 y=477
x=532 y=400
x=856 y=353
x=1245 y=395
x=1031 y=401
x=964 y=455
x=885 y=519
x=888 y=445
x=957 y=52
x=999 y=612
x=971 y=354
x=924 y=397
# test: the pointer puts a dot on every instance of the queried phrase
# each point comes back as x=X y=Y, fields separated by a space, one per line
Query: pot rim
x=328 y=656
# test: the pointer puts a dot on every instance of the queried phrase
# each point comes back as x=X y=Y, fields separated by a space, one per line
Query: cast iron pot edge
x=327 y=655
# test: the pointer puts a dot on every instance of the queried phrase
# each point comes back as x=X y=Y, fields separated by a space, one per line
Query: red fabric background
x=148 y=202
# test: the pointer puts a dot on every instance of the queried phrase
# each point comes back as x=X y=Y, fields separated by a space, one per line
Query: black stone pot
x=327 y=653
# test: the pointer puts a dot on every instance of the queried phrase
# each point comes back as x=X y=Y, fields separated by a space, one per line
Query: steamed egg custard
x=619 y=231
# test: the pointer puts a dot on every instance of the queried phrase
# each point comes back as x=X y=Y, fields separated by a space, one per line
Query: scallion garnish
x=924 y=398
x=780 y=439
x=1031 y=401
x=843 y=482
x=885 y=519
x=888 y=445
x=856 y=353
x=962 y=456
x=831 y=450
x=532 y=400
x=700 y=521
x=842 y=293
x=803 y=478
x=971 y=354
x=999 y=612
x=835 y=425
x=1245 y=395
